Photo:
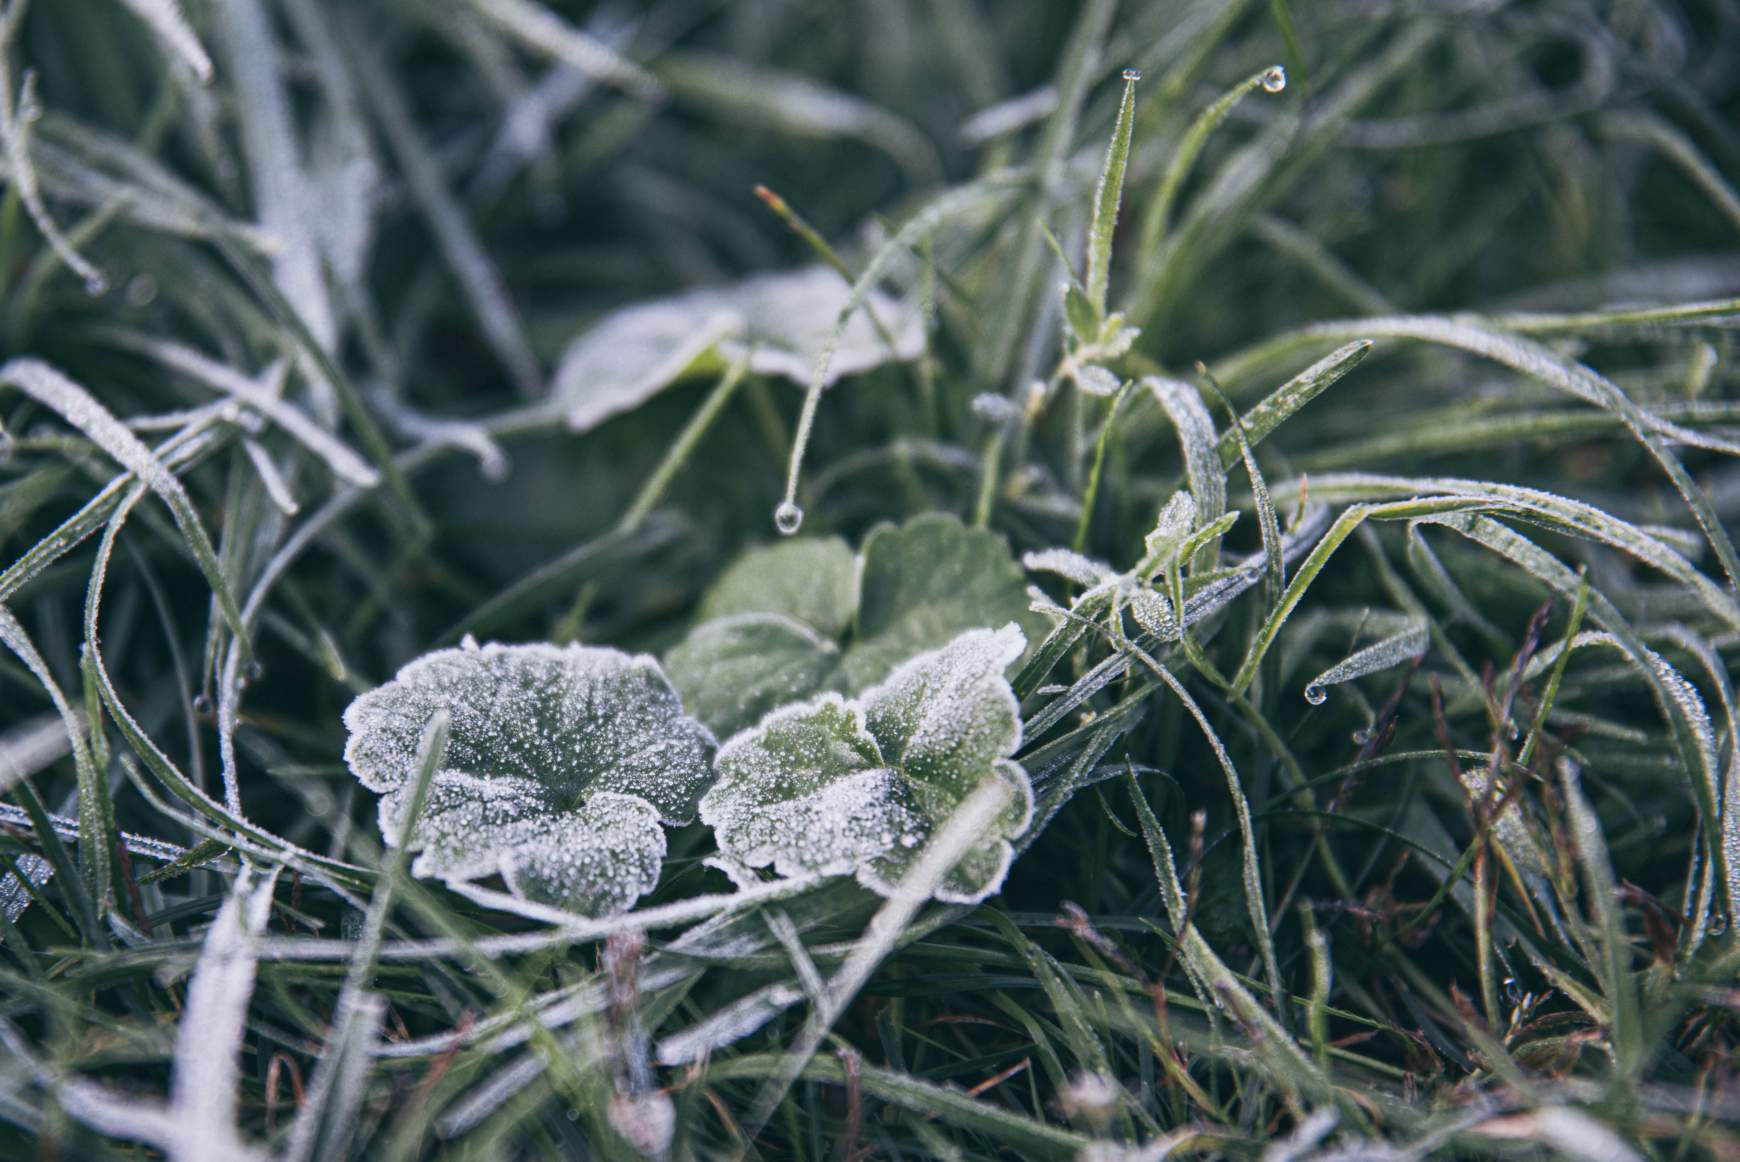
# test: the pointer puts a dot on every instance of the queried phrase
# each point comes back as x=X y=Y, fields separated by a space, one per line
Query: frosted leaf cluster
x=782 y=321
x=561 y=764
x=805 y=616
x=838 y=786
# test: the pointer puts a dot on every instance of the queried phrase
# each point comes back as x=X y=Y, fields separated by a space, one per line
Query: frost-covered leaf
x=836 y=786
x=781 y=320
x=1154 y=613
x=922 y=583
x=812 y=579
x=772 y=625
x=1068 y=564
x=631 y=355
x=1405 y=638
x=1094 y=379
x=732 y=670
x=806 y=792
x=560 y=765
x=1176 y=521
x=1200 y=445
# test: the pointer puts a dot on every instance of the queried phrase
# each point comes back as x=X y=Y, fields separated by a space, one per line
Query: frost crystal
x=560 y=765
x=835 y=786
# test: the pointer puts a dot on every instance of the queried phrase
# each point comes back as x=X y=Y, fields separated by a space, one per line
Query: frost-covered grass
x=1250 y=672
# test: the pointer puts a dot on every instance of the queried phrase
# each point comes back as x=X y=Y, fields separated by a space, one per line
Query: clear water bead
x=1132 y=74
x=97 y=285
x=788 y=518
x=1275 y=79
x=1316 y=695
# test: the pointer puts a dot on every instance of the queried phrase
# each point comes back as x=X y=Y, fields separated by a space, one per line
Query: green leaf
x=560 y=765
x=811 y=579
x=836 y=786
x=1202 y=465
x=1084 y=321
x=922 y=583
x=1107 y=196
x=772 y=625
x=732 y=670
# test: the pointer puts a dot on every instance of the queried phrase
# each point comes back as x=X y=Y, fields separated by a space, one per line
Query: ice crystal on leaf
x=806 y=615
x=838 y=786
x=561 y=764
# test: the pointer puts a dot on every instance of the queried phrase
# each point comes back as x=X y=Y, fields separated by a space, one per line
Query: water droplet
x=202 y=704
x=788 y=518
x=141 y=291
x=1275 y=79
x=96 y=284
x=1718 y=924
x=1316 y=695
x=253 y=669
x=1132 y=74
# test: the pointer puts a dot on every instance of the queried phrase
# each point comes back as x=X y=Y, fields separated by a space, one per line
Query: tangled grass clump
x=1089 y=580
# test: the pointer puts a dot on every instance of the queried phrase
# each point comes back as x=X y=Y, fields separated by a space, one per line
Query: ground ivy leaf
x=732 y=670
x=812 y=579
x=835 y=786
x=922 y=583
x=560 y=764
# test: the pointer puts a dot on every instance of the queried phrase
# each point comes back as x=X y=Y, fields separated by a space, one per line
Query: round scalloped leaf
x=922 y=583
x=832 y=786
x=560 y=764
x=732 y=670
x=812 y=579
x=946 y=716
x=595 y=859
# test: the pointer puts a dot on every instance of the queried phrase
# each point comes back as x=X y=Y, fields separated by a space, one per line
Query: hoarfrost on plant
x=561 y=764
x=837 y=786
